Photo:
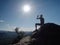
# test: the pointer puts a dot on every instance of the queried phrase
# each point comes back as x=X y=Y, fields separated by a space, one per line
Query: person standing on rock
x=41 y=21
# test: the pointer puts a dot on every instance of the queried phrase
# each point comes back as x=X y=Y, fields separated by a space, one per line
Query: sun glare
x=26 y=8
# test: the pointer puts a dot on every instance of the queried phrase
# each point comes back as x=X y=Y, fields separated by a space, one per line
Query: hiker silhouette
x=41 y=21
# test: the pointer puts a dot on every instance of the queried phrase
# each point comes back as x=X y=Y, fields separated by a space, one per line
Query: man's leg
x=36 y=25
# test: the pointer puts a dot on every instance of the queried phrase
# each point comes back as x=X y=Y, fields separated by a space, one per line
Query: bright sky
x=12 y=14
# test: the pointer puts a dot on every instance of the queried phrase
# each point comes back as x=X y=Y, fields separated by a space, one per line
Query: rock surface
x=24 y=41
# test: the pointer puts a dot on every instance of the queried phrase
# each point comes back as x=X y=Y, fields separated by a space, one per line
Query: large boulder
x=48 y=34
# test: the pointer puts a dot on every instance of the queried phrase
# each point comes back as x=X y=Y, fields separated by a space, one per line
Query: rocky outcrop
x=48 y=34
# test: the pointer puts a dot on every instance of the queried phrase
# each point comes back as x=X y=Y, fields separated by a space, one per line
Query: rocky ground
x=24 y=41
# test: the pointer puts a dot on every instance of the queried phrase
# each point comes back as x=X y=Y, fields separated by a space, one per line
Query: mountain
x=7 y=37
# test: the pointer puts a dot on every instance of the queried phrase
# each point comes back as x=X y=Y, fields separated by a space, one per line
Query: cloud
x=26 y=29
x=7 y=27
x=2 y=21
x=11 y=27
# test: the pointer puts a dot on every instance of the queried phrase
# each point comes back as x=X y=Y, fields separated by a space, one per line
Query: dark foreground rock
x=48 y=34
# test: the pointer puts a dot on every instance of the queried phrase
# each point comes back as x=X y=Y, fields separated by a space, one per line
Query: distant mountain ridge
x=6 y=37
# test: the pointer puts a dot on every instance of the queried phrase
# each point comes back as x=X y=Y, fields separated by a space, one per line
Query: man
x=41 y=21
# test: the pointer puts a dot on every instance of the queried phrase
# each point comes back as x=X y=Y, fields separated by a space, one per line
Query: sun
x=26 y=8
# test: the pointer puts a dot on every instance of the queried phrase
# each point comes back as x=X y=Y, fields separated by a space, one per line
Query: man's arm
x=38 y=17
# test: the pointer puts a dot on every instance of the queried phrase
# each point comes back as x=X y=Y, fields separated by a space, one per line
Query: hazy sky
x=12 y=14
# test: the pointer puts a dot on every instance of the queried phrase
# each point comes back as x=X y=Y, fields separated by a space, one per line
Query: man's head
x=41 y=15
